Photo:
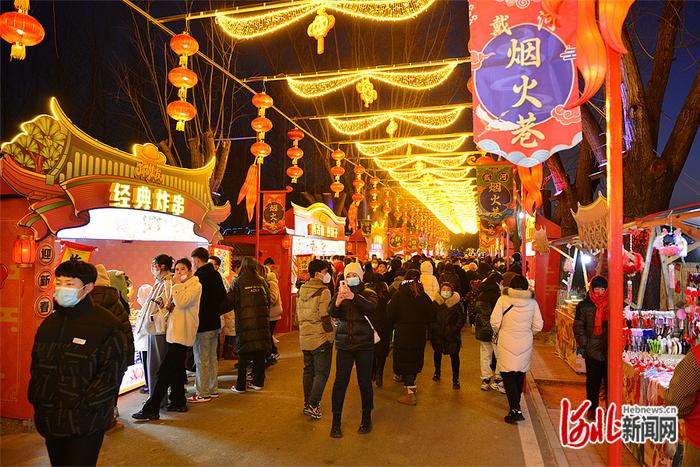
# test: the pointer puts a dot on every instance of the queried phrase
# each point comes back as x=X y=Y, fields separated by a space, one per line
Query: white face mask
x=67 y=297
x=155 y=270
x=445 y=294
x=184 y=277
x=326 y=278
x=353 y=281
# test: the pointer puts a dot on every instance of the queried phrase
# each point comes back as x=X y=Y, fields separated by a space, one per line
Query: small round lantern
x=262 y=101
x=184 y=45
x=260 y=150
x=295 y=172
x=374 y=204
x=337 y=187
x=24 y=251
x=358 y=184
x=20 y=30
x=337 y=171
x=386 y=209
x=261 y=125
x=338 y=155
x=181 y=111
x=357 y=198
x=295 y=153
x=295 y=135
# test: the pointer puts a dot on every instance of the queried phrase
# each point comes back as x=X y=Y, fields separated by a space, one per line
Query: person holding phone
x=353 y=307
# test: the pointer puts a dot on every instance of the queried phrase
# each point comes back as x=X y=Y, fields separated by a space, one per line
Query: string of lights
x=445 y=145
x=353 y=126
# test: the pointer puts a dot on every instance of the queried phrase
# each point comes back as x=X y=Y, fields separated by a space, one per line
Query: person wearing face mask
x=591 y=333
x=446 y=331
x=152 y=319
x=353 y=307
x=315 y=335
x=141 y=339
x=410 y=312
x=77 y=362
x=488 y=292
x=182 y=324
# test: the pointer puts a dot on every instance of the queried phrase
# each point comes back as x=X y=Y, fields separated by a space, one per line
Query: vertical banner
x=523 y=79
x=225 y=254
x=366 y=227
x=494 y=186
x=273 y=211
x=76 y=251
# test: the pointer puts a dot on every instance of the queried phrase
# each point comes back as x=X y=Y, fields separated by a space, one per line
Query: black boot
x=379 y=380
x=366 y=424
x=335 y=428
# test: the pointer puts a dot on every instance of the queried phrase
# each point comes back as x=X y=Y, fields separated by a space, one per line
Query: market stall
x=66 y=194
x=300 y=235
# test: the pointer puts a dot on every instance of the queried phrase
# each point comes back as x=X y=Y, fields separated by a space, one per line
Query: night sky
x=88 y=46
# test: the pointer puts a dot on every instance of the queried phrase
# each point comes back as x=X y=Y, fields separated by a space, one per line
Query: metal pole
x=613 y=114
x=257 y=214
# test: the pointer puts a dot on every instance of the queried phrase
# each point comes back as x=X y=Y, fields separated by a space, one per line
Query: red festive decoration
x=260 y=150
x=295 y=172
x=20 y=30
x=261 y=125
x=262 y=101
x=24 y=251
x=295 y=153
x=182 y=77
x=357 y=198
x=182 y=111
x=184 y=45
x=337 y=187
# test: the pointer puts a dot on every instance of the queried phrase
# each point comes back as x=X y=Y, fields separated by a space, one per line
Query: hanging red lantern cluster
x=20 y=30
x=337 y=171
x=386 y=209
x=261 y=125
x=183 y=79
x=295 y=153
x=358 y=184
x=374 y=192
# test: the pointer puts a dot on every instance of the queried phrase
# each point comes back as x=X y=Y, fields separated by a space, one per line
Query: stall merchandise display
x=566 y=342
x=661 y=332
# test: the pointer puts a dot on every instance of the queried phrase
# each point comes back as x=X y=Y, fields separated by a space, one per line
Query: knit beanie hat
x=356 y=268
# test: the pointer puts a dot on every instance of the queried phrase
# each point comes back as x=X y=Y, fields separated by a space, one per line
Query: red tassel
x=591 y=58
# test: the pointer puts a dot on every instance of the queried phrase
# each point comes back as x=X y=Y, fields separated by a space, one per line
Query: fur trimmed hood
x=450 y=302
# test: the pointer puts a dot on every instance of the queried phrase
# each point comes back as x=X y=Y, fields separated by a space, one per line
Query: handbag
x=376 y=334
x=494 y=339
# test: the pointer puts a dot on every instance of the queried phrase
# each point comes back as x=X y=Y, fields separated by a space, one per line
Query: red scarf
x=601 y=310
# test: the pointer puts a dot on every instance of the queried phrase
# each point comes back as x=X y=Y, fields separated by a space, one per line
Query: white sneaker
x=484 y=384
x=254 y=387
x=236 y=391
x=498 y=386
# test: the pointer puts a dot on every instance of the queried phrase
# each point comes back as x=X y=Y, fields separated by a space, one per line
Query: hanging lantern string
x=223 y=70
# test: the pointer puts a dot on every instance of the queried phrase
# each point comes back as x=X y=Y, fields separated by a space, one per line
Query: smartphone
x=343 y=284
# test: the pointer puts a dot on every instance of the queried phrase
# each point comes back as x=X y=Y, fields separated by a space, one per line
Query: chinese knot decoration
x=337 y=171
x=295 y=153
x=358 y=184
x=320 y=27
x=183 y=79
x=20 y=30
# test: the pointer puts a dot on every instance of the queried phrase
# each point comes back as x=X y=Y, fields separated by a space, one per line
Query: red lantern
x=182 y=111
x=337 y=171
x=359 y=170
x=357 y=198
x=374 y=180
x=261 y=125
x=386 y=209
x=184 y=45
x=358 y=184
x=182 y=77
x=286 y=243
x=262 y=101
x=24 y=251
x=374 y=204
x=295 y=135
x=20 y=30
x=338 y=155
x=260 y=150
x=374 y=191
x=295 y=153
x=337 y=187
x=295 y=172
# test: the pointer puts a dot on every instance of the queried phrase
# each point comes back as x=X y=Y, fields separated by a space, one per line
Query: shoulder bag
x=494 y=340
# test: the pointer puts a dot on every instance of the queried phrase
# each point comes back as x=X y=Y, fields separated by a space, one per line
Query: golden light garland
x=433 y=120
x=256 y=25
x=410 y=79
x=445 y=145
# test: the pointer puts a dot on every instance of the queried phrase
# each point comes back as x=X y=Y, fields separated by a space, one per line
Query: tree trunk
x=164 y=146
x=195 y=152
x=222 y=153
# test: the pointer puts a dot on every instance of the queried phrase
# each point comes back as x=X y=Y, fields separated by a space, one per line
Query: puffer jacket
x=275 y=299
x=315 y=328
x=354 y=332
x=431 y=287
x=108 y=298
x=76 y=370
x=488 y=294
x=213 y=294
x=184 y=319
x=595 y=347
x=249 y=298
x=446 y=330
x=516 y=328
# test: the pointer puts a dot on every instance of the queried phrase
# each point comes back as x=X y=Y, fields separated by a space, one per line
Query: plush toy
x=632 y=262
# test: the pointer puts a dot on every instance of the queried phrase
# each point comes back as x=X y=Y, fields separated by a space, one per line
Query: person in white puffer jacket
x=431 y=286
x=516 y=318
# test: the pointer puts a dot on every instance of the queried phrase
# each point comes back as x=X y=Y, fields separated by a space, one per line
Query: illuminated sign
x=143 y=197
x=320 y=230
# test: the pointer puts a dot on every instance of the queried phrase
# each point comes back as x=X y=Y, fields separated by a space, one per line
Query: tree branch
x=661 y=64
x=593 y=134
x=586 y=164
x=684 y=131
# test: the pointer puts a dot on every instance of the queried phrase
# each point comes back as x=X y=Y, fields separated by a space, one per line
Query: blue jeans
x=205 y=346
x=344 y=360
x=317 y=368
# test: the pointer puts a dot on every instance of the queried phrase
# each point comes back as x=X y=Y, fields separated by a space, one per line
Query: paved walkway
x=447 y=427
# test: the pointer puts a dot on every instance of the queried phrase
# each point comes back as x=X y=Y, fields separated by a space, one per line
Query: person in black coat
x=410 y=311
x=376 y=283
x=446 y=331
x=395 y=264
x=591 y=333
x=206 y=344
x=249 y=298
x=488 y=293
x=353 y=307
x=77 y=362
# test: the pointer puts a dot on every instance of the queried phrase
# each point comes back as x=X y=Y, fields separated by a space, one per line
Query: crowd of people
x=364 y=311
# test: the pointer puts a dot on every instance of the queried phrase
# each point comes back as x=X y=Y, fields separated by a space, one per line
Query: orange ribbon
x=531 y=181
